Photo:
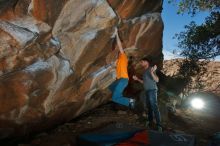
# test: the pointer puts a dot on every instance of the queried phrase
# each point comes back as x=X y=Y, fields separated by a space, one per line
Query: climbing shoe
x=132 y=103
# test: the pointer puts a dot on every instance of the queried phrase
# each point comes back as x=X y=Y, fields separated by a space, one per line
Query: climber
x=118 y=86
x=149 y=81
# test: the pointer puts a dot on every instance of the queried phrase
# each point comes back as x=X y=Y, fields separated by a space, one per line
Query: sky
x=174 y=23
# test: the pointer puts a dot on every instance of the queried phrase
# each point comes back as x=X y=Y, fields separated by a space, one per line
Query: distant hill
x=210 y=80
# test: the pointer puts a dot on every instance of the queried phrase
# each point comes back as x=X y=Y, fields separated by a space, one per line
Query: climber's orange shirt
x=121 y=66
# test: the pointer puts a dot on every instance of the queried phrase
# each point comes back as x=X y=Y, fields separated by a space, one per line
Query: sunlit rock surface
x=208 y=82
x=56 y=57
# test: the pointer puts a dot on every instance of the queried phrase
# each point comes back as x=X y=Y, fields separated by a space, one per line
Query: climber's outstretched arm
x=119 y=42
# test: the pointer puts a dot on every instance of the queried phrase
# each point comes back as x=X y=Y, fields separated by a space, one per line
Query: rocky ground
x=202 y=124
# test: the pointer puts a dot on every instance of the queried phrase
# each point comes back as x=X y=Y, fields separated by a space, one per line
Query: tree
x=203 y=41
x=198 y=43
x=194 y=6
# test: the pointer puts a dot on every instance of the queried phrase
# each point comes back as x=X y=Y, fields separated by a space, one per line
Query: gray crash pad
x=170 y=139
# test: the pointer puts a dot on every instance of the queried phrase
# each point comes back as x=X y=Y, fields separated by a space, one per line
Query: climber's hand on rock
x=135 y=78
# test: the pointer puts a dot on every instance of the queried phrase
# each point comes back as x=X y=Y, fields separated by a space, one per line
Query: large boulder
x=56 y=57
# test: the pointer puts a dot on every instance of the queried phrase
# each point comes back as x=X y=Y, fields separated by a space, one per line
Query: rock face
x=56 y=57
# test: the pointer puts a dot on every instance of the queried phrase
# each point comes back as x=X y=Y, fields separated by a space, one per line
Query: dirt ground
x=202 y=124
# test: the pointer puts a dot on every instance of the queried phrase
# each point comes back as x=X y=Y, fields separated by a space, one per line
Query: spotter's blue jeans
x=151 y=100
x=117 y=88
